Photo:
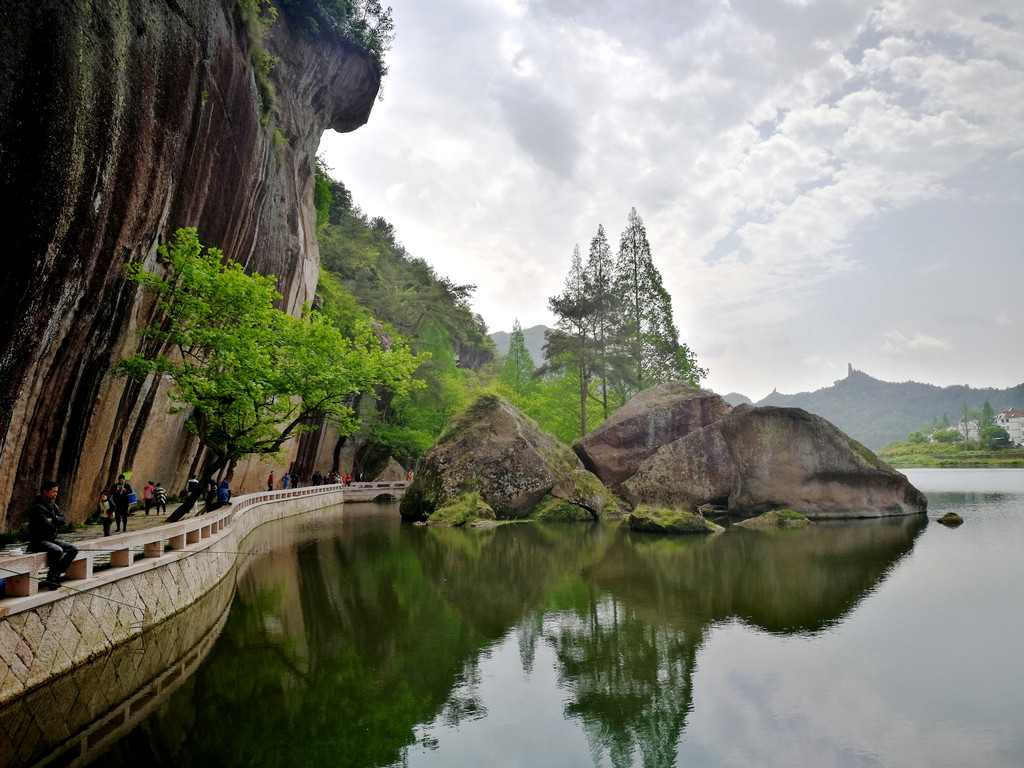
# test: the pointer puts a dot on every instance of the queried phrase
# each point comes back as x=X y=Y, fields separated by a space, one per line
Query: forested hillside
x=876 y=412
x=365 y=269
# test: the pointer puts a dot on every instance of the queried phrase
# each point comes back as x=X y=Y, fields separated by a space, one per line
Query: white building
x=1012 y=422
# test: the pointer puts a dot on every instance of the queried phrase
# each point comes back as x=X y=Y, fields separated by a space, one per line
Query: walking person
x=147 y=495
x=211 y=497
x=106 y=512
x=44 y=517
x=160 y=499
x=270 y=481
x=120 y=494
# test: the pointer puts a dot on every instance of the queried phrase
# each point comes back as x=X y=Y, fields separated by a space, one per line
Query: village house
x=1013 y=422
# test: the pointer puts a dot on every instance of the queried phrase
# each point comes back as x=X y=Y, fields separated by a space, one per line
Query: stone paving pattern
x=84 y=710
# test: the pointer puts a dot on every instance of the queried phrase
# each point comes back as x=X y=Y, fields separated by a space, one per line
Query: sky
x=823 y=183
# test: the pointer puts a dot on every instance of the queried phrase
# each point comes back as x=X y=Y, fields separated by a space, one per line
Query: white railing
x=21 y=572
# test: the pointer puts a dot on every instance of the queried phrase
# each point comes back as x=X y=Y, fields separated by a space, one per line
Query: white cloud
x=895 y=343
x=759 y=139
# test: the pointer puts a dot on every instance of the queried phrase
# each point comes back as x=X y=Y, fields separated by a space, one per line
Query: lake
x=355 y=640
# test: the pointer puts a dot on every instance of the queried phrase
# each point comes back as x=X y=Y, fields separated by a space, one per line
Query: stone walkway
x=137 y=521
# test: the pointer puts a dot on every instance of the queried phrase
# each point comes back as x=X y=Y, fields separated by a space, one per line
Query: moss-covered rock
x=493 y=450
x=951 y=520
x=663 y=520
x=464 y=509
x=555 y=510
x=776 y=518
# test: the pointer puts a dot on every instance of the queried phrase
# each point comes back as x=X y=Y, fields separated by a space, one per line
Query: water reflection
x=354 y=634
x=628 y=659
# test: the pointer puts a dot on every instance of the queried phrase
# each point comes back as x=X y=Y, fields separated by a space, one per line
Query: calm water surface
x=354 y=640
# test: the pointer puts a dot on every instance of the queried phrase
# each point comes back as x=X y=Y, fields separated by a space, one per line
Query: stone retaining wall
x=47 y=634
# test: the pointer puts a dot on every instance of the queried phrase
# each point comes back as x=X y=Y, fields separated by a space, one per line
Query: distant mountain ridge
x=876 y=412
x=532 y=337
x=869 y=410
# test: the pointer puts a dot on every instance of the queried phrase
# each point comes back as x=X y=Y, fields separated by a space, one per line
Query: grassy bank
x=914 y=455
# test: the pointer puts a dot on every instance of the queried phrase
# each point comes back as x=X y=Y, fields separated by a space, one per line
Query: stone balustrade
x=153 y=573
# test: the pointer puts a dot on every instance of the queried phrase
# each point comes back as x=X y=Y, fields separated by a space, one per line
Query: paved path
x=137 y=521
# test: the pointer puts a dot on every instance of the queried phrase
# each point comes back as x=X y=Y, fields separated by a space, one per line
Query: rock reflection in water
x=358 y=636
x=628 y=658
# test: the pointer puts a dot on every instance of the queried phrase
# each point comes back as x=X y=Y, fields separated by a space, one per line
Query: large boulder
x=497 y=452
x=393 y=472
x=756 y=459
x=653 y=418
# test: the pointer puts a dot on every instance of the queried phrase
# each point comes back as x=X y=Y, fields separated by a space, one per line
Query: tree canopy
x=615 y=331
x=250 y=375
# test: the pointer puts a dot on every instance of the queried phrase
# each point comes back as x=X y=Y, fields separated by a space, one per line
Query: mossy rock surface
x=555 y=510
x=464 y=509
x=663 y=520
x=500 y=454
x=776 y=518
x=951 y=520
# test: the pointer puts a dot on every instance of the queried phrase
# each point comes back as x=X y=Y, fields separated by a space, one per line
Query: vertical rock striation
x=123 y=121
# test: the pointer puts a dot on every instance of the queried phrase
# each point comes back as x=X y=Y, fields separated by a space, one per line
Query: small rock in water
x=951 y=519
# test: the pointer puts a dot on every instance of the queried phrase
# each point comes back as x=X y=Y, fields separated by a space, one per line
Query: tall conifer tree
x=605 y=303
x=571 y=345
x=648 y=342
x=517 y=372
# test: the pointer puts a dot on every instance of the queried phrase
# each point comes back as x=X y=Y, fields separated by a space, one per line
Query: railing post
x=81 y=568
x=153 y=548
x=21 y=585
x=121 y=558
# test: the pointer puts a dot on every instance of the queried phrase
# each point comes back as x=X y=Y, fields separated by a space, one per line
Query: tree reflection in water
x=632 y=682
x=358 y=634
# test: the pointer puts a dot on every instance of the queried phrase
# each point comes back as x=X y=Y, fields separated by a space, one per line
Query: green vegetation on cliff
x=366 y=23
x=365 y=269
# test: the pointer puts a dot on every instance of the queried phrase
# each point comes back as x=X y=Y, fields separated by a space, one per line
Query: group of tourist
x=115 y=503
x=45 y=517
x=291 y=480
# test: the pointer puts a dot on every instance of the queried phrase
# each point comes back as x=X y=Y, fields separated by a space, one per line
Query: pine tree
x=517 y=372
x=648 y=342
x=600 y=275
x=570 y=345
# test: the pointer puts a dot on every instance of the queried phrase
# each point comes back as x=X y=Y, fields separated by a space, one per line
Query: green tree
x=407 y=424
x=570 y=345
x=604 y=307
x=249 y=375
x=554 y=405
x=648 y=341
x=518 y=368
x=993 y=437
x=987 y=417
x=969 y=422
x=948 y=436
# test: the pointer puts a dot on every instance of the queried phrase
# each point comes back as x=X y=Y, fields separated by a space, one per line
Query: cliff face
x=123 y=121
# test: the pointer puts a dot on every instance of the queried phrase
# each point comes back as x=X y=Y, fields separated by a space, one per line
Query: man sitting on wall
x=44 y=517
